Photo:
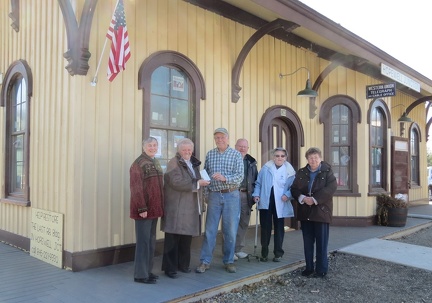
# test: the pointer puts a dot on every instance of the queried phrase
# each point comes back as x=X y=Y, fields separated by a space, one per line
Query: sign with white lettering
x=381 y=90
x=46 y=237
x=399 y=77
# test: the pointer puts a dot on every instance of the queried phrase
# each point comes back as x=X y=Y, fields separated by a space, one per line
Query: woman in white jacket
x=273 y=197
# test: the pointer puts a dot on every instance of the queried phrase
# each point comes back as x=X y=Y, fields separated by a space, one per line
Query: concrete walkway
x=26 y=279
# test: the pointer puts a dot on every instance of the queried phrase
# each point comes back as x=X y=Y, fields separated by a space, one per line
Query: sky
x=400 y=28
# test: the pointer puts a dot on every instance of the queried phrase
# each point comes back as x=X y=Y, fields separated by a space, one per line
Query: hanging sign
x=381 y=90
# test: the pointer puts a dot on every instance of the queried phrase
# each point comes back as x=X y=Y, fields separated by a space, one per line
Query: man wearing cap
x=224 y=165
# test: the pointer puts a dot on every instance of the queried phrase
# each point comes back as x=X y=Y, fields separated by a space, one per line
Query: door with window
x=281 y=127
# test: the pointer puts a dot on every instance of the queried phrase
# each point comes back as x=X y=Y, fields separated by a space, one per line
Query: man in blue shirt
x=224 y=165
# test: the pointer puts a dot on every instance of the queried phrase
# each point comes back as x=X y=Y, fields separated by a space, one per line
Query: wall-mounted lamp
x=308 y=91
x=404 y=118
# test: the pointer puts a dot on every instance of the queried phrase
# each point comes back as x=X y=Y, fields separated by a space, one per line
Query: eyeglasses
x=280 y=156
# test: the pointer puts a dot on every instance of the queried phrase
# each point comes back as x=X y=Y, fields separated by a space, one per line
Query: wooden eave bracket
x=14 y=15
x=269 y=27
x=78 y=53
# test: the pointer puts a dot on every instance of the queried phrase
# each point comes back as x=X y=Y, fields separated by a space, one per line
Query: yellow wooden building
x=195 y=65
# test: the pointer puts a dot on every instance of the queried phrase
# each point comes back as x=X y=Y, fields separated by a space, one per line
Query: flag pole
x=95 y=79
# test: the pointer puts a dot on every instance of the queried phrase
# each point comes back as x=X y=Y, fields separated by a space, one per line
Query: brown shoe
x=230 y=268
x=202 y=268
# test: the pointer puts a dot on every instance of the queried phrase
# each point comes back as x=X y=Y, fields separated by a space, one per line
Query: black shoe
x=146 y=281
x=320 y=275
x=153 y=276
x=171 y=274
x=263 y=259
x=185 y=270
x=307 y=273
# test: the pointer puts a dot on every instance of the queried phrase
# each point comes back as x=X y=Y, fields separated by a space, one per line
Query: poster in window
x=178 y=83
x=159 y=151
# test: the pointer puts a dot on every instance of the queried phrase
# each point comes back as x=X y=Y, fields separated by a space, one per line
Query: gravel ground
x=350 y=279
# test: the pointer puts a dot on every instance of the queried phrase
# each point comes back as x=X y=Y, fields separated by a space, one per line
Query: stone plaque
x=46 y=236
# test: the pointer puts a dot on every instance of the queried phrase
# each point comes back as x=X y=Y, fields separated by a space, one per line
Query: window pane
x=159 y=110
x=335 y=114
x=344 y=135
x=160 y=81
x=179 y=113
x=376 y=157
x=335 y=134
x=17 y=169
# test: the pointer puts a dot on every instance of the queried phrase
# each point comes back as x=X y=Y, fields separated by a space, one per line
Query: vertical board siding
x=84 y=138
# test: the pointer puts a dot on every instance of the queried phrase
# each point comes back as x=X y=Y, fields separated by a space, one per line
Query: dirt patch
x=350 y=279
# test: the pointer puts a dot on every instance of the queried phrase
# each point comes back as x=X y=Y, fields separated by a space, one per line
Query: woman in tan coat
x=183 y=208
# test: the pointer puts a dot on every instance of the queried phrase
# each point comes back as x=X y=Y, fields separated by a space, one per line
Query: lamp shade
x=405 y=118
x=308 y=91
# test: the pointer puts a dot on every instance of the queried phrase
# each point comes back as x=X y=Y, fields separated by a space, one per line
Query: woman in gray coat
x=183 y=208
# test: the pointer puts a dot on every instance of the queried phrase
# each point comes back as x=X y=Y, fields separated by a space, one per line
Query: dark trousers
x=267 y=218
x=176 y=252
x=315 y=233
x=145 y=231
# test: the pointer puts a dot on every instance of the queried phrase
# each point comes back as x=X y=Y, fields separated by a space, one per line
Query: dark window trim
x=414 y=127
x=381 y=106
x=325 y=118
x=17 y=68
x=180 y=61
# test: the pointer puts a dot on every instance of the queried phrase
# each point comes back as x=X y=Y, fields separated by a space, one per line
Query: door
x=400 y=167
x=281 y=127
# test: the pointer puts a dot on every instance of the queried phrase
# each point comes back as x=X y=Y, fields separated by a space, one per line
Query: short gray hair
x=149 y=140
x=185 y=141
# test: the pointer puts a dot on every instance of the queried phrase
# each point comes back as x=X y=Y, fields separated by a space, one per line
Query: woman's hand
x=143 y=214
x=284 y=198
x=203 y=182
x=256 y=199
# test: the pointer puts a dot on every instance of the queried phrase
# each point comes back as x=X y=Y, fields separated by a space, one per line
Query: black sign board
x=381 y=90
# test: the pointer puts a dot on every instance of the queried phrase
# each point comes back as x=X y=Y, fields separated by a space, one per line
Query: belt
x=228 y=190
x=243 y=189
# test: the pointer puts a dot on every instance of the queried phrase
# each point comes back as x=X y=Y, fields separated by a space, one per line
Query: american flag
x=120 y=50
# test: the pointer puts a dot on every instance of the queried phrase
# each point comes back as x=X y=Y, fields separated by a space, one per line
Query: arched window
x=340 y=116
x=415 y=154
x=15 y=96
x=378 y=119
x=173 y=87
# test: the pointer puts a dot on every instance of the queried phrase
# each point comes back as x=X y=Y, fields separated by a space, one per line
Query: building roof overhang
x=318 y=34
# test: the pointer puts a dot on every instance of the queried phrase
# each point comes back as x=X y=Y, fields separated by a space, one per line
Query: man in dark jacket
x=314 y=187
x=246 y=189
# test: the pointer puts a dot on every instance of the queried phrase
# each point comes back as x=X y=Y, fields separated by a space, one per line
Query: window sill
x=17 y=202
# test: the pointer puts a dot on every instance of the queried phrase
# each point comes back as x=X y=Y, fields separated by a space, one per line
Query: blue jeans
x=227 y=206
x=315 y=233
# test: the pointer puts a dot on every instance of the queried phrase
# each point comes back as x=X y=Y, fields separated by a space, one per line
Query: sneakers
x=235 y=257
x=277 y=259
x=241 y=255
x=202 y=268
x=230 y=268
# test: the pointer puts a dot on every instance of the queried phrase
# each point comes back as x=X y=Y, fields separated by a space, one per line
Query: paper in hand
x=204 y=175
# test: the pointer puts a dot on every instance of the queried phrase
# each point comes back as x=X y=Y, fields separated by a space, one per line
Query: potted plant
x=391 y=211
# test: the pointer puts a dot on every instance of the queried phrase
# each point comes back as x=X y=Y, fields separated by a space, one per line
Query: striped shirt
x=229 y=163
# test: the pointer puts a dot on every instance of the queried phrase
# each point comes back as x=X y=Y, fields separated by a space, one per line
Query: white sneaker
x=241 y=255
x=235 y=257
